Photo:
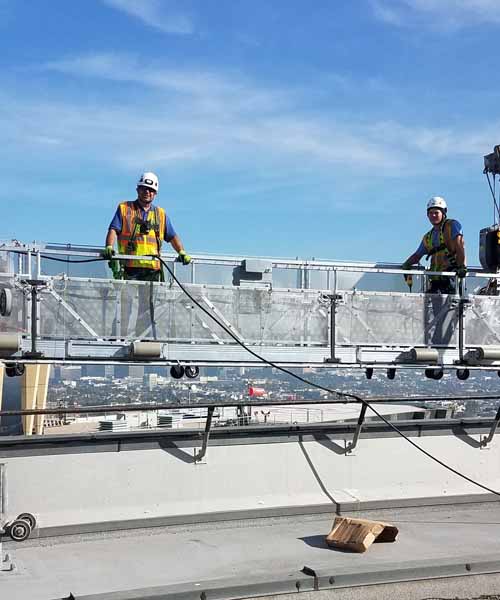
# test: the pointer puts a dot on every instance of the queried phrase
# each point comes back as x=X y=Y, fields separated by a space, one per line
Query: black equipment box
x=489 y=248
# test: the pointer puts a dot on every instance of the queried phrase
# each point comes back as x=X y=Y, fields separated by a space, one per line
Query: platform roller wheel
x=5 y=302
x=29 y=518
x=19 y=530
x=177 y=371
x=391 y=373
x=192 y=371
x=14 y=369
x=434 y=373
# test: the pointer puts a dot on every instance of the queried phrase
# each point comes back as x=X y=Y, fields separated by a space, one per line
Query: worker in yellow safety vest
x=140 y=227
x=444 y=245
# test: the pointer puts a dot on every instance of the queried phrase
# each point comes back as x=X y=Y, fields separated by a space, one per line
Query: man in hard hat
x=444 y=244
x=140 y=228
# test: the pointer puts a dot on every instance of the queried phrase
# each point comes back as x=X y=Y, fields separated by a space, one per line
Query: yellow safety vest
x=442 y=256
x=132 y=241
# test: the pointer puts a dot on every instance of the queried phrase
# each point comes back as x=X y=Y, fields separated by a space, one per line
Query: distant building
x=93 y=370
x=151 y=380
x=136 y=371
x=70 y=373
x=121 y=371
x=471 y=408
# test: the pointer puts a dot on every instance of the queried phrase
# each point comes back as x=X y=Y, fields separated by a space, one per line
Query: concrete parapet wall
x=84 y=483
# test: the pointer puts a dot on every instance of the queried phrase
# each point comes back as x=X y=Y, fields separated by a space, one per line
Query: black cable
x=321 y=387
x=64 y=260
x=496 y=219
x=494 y=196
x=87 y=260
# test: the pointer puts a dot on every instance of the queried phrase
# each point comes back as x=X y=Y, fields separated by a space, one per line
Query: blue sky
x=284 y=128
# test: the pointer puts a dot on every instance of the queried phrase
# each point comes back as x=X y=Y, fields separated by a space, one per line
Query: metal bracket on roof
x=484 y=442
x=208 y=425
x=361 y=419
x=312 y=573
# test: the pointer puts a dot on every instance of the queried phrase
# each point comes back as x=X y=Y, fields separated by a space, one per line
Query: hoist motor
x=489 y=237
x=489 y=248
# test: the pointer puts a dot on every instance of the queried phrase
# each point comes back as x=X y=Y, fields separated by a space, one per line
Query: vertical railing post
x=462 y=302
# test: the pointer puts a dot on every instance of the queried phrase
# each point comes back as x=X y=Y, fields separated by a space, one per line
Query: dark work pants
x=443 y=285
x=145 y=323
x=141 y=274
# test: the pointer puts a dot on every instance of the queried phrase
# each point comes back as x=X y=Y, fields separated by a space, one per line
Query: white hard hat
x=149 y=180
x=437 y=202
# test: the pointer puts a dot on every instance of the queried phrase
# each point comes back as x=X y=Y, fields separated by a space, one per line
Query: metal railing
x=294 y=312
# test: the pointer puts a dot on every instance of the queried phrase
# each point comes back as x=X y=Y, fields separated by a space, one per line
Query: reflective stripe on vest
x=442 y=258
x=132 y=241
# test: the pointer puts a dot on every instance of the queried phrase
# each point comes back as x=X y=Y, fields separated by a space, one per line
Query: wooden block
x=359 y=534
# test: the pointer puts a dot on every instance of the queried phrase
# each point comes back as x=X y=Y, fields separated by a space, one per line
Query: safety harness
x=442 y=258
x=150 y=225
x=139 y=236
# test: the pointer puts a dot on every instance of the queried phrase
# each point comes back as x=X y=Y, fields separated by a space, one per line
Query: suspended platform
x=289 y=312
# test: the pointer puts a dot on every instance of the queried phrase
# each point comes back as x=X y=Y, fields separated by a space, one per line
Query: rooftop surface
x=455 y=548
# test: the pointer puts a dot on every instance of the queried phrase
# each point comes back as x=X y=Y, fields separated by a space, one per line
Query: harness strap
x=136 y=224
x=436 y=250
x=442 y=246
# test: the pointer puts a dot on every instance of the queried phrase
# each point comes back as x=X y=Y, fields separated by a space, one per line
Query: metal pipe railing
x=186 y=405
x=232 y=260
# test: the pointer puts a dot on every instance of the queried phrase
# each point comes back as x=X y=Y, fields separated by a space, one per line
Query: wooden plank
x=359 y=534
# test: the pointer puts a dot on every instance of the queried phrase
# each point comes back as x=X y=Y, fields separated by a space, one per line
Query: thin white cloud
x=437 y=14
x=216 y=120
x=45 y=140
x=386 y=13
x=157 y=14
x=209 y=88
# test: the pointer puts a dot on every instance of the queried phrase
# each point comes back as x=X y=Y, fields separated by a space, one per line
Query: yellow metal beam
x=41 y=396
x=29 y=393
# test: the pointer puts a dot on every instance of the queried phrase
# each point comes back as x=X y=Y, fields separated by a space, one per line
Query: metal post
x=333 y=310
x=38 y=265
x=493 y=429
x=463 y=300
x=29 y=265
x=361 y=420
x=5 y=562
x=206 y=435
x=332 y=328
x=34 y=317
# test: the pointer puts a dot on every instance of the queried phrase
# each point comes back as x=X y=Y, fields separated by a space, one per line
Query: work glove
x=108 y=252
x=461 y=271
x=184 y=258
x=116 y=269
